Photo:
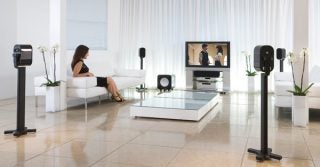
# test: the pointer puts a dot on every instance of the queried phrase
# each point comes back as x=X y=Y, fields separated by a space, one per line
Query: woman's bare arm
x=77 y=69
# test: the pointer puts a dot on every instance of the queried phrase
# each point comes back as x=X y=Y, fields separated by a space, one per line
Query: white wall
x=33 y=28
x=27 y=21
x=8 y=19
x=105 y=59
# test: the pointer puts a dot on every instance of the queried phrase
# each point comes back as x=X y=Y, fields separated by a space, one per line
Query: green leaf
x=306 y=90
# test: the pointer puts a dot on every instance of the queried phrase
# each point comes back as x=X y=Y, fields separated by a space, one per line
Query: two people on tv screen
x=204 y=56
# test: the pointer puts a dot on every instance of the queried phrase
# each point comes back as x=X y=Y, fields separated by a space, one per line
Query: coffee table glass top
x=196 y=95
x=185 y=100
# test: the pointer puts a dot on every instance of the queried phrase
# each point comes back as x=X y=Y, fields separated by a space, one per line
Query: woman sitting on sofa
x=81 y=70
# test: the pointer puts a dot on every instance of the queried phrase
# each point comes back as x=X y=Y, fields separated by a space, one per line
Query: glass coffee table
x=181 y=105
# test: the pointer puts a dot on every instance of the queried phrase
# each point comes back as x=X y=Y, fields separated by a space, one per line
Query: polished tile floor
x=106 y=135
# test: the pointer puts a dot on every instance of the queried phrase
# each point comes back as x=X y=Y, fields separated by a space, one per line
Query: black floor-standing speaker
x=22 y=57
x=281 y=56
x=264 y=61
x=142 y=55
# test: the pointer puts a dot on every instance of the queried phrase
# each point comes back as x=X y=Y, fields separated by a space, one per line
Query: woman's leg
x=112 y=88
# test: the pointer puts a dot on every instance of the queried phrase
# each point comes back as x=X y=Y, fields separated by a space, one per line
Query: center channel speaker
x=166 y=82
x=264 y=58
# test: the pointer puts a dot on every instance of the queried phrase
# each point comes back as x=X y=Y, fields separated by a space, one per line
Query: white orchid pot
x=300 y=110
x=53 y=99
x=251 y=84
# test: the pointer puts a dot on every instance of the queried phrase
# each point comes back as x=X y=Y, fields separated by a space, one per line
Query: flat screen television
x=208 y=54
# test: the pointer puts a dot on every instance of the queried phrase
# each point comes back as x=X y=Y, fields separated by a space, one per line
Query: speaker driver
x=164 y=82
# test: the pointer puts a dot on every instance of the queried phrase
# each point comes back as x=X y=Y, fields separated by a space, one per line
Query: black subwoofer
x=166 y=82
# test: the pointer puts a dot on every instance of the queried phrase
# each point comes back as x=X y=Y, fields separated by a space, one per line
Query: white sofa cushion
x=86 y=92
x=314 y=74
x=129 y=73
x=281 y=88
x=315 y=90
x=81 y=82
x=127 y=82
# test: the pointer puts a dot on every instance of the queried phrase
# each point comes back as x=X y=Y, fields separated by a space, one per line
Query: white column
x=58 y=36
x=301 y=38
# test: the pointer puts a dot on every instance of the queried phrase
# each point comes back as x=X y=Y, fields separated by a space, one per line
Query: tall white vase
x=300 y=110
x=53 y=99
x=251 y=84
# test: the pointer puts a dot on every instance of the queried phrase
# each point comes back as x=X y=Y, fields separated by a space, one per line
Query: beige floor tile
x=110 y=164
x=51 y=161
x=226 y=130
x=11 y=159
x=142 y=155
x=75 y=133
x=86 y=151
x=203 y=158
x=317 y=162
x=136 y=124
x=288 y=149
x=114 y=135
x=186 y=127
x=250 y=161
x=218 y=143
x=312 y=137
x=315 y=151
x=287 y=134
x=33 y=143
x=162 y=139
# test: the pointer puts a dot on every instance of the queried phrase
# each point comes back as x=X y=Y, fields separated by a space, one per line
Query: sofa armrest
x=129 y=73
x=81 y=82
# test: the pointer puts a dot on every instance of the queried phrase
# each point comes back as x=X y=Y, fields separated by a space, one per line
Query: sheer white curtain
x=163 y=26
x=314 y=32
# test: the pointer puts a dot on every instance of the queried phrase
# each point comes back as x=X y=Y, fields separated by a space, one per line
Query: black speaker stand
x=264 y=153
x=142 y=86
x=281 y=65
x=21 y=129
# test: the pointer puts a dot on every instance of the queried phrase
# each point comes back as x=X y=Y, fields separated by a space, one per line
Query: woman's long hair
x=220 y=50
x=79 y=54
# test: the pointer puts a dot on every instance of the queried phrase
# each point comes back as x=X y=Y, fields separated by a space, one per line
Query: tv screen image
x=208 y=54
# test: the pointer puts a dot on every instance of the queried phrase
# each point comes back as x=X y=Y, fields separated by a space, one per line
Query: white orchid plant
x=298 y=89
x=249 y=71
x=54 y=50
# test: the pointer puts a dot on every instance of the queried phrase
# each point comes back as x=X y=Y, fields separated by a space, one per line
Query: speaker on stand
x=142 y=55
x=22 y=57
x=264 y=62
x=281 y=55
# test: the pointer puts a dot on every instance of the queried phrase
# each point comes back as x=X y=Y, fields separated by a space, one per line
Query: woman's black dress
x=101 y=81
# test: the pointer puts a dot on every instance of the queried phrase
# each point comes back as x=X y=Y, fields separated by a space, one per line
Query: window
x=87 y=24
